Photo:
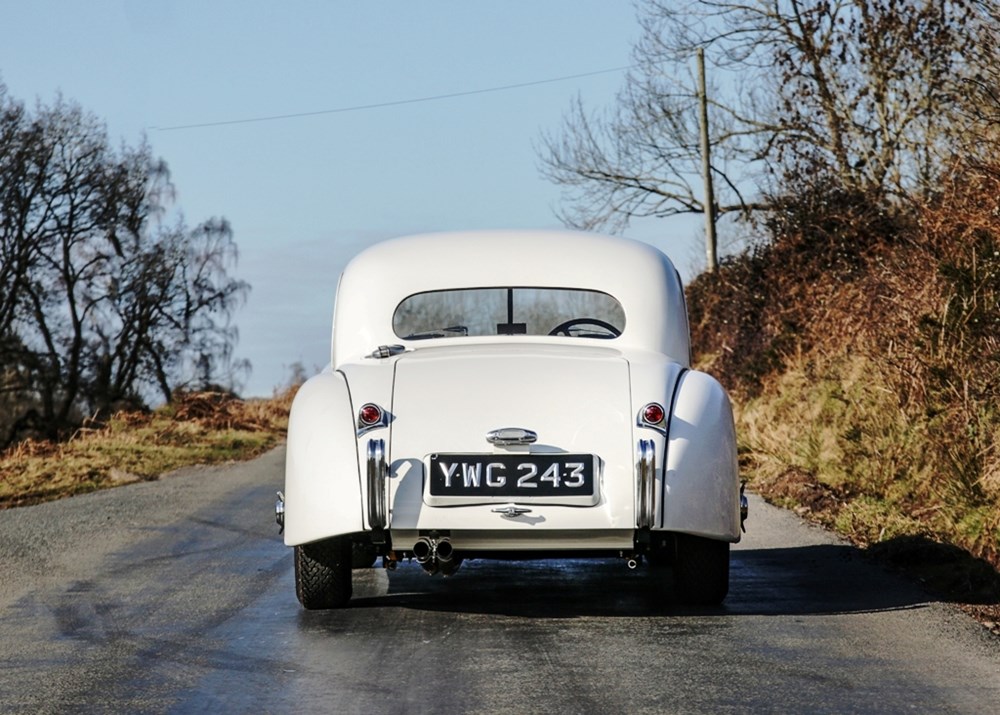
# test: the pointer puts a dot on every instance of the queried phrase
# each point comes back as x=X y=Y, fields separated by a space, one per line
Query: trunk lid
x=576 y=400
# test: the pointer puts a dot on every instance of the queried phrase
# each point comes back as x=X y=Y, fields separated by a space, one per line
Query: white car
x=507 y=394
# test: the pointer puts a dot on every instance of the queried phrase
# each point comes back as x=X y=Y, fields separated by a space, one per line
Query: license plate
x=517 y=476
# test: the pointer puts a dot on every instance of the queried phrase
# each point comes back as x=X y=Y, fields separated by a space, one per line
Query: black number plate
x=512 y=475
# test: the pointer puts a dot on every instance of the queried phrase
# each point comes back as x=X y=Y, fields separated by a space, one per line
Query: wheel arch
x=701 y=473
x=322 y=480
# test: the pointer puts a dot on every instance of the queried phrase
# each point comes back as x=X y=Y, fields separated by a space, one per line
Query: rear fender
x=322 y=480
x=701 y=479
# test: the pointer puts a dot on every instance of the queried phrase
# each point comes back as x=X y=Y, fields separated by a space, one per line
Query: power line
x=396 y=103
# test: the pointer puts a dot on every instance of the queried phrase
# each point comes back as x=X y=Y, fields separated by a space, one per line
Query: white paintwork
x=702 y=482
x=580 y=395
x=643 y=280
x=575 y=398
x=322 y=487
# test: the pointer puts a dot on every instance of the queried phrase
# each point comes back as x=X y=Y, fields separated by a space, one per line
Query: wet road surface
x=178 y=596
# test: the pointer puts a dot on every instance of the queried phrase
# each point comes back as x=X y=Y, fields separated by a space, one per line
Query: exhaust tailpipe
x=444 y=550
x=423 y=551
x=436 y=555
x=446 y=558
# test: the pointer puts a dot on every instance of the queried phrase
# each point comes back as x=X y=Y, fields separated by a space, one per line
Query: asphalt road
x=178 y=596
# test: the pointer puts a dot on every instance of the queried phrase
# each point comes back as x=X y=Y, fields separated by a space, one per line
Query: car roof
x=638 y=275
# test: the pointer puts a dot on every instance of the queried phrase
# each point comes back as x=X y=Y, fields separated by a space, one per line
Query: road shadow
x=808 y=580
x=945 y=570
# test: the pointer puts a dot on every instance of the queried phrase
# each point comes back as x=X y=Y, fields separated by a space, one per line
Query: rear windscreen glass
x=509 y=311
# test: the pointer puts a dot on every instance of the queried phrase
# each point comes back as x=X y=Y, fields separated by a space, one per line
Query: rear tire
x=658 y=558
x=363 y=556
x=323 y=573
x=701 y=570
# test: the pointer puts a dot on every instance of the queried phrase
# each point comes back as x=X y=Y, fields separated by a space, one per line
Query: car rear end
x=512 y=448
x=509 y=394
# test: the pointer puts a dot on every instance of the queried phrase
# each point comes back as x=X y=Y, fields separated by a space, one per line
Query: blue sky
x=304 y=194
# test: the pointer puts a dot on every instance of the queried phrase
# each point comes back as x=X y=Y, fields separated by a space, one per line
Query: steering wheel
x=569 y=326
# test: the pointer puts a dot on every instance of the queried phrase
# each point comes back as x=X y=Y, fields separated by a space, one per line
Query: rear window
x=509 y=311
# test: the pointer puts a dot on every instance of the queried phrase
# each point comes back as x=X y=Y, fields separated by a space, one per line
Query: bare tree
x=164 y=319
x=984 y=105
x=873 y=94
x=100 y=303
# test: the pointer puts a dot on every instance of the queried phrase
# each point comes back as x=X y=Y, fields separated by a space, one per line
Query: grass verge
x=197 y=428
x=830 y=439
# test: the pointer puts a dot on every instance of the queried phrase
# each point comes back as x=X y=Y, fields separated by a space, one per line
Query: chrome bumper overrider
x=645 y=483
x=378 y=473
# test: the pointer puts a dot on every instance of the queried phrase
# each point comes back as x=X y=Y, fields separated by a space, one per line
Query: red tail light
x=370 y=414
x=653 y=414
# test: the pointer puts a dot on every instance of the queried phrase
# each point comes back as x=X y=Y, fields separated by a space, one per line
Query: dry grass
x=197 y=428
x=864 y=356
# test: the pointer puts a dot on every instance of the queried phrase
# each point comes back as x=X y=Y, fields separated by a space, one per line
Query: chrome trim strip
x=378 y=474
x=645 y=483
x=511 y=511
x=365 y=429
x=586 y=500
x=511 y=435
x=386 y=351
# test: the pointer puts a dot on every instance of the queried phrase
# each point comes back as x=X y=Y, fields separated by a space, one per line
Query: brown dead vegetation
x=195 y=428
x=862 y=347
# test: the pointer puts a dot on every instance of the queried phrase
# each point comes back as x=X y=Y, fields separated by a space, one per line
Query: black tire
x=363 y=556
x=701 y=570
x=660 y=551
x=323 y=573
x=658 y=558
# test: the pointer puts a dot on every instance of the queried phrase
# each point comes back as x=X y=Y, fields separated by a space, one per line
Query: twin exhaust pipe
x=436 y=555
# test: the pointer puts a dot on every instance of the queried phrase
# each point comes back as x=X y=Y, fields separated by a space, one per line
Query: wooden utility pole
x=706 y=165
